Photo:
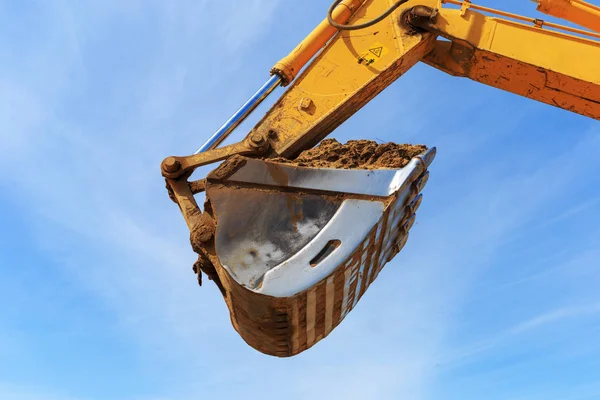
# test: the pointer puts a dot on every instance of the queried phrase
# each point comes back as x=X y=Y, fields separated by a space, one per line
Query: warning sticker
x=377 y=51
x=372 y=54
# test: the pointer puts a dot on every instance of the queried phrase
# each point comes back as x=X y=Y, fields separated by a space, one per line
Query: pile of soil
x=356 y=154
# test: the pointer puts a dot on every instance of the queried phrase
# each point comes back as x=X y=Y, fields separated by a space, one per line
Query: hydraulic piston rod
x=240 y=115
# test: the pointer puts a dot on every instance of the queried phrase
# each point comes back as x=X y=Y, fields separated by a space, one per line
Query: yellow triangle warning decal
x=377 y=51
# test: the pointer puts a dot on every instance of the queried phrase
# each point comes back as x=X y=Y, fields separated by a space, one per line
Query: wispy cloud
x=555 y=316
x=26 y=392
x=534 y=323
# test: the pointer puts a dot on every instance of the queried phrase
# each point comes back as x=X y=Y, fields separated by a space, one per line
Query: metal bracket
x=174 y=167
x=465 y=7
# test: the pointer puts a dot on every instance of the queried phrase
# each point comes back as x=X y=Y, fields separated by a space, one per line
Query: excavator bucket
x=295 y=247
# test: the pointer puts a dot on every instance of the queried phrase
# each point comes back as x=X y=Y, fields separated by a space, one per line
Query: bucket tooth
x=420 y=184
x=408 y=224
x=414 y=205
x=428 y=156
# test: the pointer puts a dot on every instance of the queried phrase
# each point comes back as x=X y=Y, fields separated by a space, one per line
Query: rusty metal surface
x=174 y=167
x=306 y=317
x=286 y=326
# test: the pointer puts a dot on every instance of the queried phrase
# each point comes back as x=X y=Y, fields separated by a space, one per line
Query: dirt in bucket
x=355 y=154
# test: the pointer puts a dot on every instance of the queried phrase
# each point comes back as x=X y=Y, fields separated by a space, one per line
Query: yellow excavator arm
x=349 y=58
x=519 y=55
x=554 y=64
x=577 y=11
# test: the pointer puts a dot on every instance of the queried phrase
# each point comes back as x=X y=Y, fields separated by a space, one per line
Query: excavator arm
x=554 y=64
x=577 y=11
x=356 y=52
x=532 y=60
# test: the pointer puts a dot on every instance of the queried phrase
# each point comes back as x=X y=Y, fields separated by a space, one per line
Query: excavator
x=293 y=246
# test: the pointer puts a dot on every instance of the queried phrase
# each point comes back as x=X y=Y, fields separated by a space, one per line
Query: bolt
x=170 y=164
x=257 y=140
x=305 y=103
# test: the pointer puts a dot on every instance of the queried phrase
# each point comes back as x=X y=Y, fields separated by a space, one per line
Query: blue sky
x=495 y=296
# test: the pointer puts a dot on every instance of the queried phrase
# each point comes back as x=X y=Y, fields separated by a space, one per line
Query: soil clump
x=355 y=154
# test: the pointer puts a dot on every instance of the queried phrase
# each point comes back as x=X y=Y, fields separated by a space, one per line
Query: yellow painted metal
x=542 y=64
x=352 y=69
x=535 y=21
x=577 y=11
x=288 y=67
